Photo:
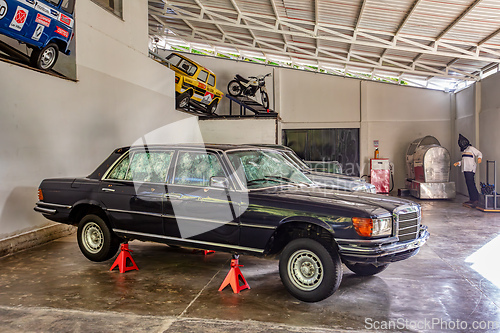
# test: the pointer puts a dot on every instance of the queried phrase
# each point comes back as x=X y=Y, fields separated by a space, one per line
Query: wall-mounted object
x=45 y=26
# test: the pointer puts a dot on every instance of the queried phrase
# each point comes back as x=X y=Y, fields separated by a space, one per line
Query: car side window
x=119 y=172
x=68 y=6
x=211 y=80
x=196 y=169
x=143 y=166
x=202 y=76
x=187 y=67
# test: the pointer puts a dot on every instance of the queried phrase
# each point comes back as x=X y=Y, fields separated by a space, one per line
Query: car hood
x=367 y=201
x=340 y=182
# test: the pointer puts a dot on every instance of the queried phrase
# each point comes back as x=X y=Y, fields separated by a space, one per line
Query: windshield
x=182 y=64
x=296 y=160
x=262 y=168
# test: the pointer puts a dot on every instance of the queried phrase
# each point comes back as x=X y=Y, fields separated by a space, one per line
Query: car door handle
x=107 y=189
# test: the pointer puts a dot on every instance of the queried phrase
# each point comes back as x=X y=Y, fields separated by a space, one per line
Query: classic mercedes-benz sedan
x=237 y=199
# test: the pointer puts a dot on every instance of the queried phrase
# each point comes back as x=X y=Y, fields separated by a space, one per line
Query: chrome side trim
x=235 y=247
x=131 y=212
x=257 y=226
x=198 y=219
x=41 y=203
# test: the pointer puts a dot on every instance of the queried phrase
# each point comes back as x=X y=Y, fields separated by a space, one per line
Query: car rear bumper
x=382 y=253
x=54 y=212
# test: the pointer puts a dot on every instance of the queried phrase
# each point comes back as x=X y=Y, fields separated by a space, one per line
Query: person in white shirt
x=468 y=164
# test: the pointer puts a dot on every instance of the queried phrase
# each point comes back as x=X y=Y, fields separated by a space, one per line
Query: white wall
x=56 y=128
x=239 y=131
x=393 y=115
x=489 y=125
x=306 y=97
x=396 y=116
x=465 y=124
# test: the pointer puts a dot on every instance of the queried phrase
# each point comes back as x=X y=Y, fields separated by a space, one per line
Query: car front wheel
x=183 y=100
x=96 y=241
x=366 y=269
x=310 y=269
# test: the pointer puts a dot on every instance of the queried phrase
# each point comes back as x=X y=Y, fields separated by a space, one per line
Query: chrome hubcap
x=305 y=270
x=92 y=237
x=48 y=57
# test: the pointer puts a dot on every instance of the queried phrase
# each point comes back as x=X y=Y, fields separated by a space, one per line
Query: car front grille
x=408 y=225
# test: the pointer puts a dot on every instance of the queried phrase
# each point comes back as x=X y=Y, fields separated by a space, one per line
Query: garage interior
x=393 y=70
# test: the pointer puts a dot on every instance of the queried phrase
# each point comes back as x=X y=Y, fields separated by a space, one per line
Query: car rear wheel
x=212 y=107
x=234 y=88
x=45 y=58
x=183 y=100
x=96 y=241
x=366 y=269
x=310 y=269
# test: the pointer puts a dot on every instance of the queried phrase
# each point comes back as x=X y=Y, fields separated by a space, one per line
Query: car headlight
x=369 y=188
x=367 y=227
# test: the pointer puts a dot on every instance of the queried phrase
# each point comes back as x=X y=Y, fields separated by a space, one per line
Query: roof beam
x=448 y=28
x=489 y=37
x=360 y=15
x=356 y=26
x=458 y=19
x=402 y=24
x=341 y=61
x=418 y=47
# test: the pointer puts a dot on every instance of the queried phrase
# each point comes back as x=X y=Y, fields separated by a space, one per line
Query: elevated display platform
x=13 y=56
x=248 y=104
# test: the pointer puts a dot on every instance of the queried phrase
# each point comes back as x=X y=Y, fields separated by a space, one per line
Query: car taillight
x=40 y=194
x=176 y=79
x=363 y=226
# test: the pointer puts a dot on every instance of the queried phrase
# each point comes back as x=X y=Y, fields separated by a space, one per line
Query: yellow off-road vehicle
x=194 y=83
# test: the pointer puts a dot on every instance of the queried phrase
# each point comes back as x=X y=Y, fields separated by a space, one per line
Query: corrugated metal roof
x=439 y=40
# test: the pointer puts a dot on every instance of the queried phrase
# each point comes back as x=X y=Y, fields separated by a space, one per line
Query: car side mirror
x=219 y=182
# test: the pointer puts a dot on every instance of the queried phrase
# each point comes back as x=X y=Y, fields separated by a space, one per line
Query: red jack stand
x=234 y=277
x=121 y=260
x=205 y=252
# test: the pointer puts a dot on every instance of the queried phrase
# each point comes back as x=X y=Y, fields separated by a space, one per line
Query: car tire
x=96 y=241
x=234 y=88
x=366 y=269
x=265 y=99
x=212 y=107
x=310 y=269
x=182 y=100
x=45 y=58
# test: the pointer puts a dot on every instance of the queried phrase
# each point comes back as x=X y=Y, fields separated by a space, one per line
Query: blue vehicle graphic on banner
x=44 y=25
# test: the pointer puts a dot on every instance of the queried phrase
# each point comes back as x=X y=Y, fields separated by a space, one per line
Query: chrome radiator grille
x=408 y=224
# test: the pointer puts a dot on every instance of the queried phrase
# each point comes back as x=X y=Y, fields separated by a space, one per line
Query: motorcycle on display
x=243 y=87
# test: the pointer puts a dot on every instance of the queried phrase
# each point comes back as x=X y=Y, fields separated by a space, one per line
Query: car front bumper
x=381 y=251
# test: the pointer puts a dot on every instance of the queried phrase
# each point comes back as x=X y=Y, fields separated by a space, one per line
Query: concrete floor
x=54 y=288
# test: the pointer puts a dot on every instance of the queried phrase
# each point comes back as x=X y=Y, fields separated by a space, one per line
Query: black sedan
x=237 y=199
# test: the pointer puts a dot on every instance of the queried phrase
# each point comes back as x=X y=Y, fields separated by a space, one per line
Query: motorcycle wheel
x=234 y=88
x=265 y=99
